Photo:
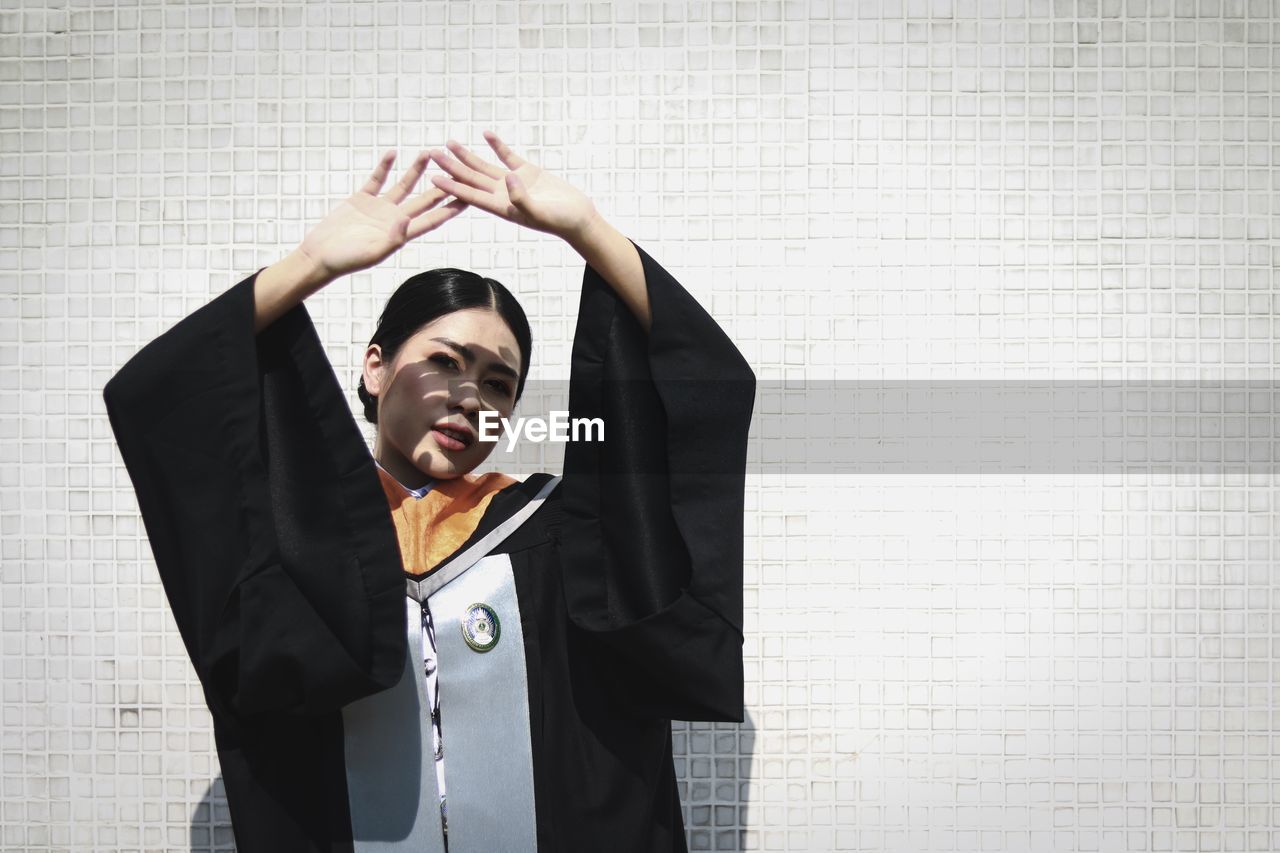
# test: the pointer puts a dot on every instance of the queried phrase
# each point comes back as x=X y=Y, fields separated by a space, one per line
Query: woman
x=553 y=626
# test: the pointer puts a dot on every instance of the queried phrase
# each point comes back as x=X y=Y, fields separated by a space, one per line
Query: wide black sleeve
x=268 y=524
x=651 y=545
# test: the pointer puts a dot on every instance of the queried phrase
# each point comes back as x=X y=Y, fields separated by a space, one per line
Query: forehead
x=480 y=329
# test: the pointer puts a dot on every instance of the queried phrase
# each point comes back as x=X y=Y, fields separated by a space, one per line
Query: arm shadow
x=713 y=768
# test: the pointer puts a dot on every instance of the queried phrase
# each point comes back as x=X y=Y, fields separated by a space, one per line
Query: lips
x=458 y=432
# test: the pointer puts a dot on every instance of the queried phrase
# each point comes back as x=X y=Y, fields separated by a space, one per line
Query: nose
x=464 y=396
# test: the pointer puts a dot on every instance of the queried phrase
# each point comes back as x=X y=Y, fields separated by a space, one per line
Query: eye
x=447 y=361
x=500 y=386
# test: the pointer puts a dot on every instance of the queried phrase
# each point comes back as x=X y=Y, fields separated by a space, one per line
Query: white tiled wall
x=925 y=190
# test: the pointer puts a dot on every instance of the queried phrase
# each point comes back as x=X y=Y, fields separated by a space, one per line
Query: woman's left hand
x=522 y=193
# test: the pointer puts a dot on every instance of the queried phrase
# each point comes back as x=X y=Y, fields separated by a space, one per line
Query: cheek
x=415 y=389
x=500 y=410
x=410 y=404
x=495 y=400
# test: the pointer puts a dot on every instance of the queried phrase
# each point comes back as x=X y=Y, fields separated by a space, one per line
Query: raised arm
x=362 y=231
x=651 y=550
x=531 y=196
x=262 y=505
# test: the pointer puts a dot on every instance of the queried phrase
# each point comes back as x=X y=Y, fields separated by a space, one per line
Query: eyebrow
x=469 y=354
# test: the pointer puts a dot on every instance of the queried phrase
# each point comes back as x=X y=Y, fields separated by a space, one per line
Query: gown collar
x=433 y=522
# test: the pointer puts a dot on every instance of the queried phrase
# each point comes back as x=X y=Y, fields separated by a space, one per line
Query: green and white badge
x=480 y=627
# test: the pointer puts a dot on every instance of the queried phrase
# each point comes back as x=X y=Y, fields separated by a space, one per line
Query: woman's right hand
x=363 y=230
x=366 y=228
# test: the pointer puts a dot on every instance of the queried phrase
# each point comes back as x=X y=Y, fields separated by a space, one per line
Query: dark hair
x=435 y=293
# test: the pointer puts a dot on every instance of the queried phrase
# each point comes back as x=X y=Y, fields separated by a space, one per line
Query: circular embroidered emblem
x=480 y=627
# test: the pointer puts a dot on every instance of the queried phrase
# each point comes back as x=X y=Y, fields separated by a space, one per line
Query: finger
x=423 y=202
x=404 y=186
x=374 y=185
x=478 y=198
x=461 y=171
x=434 y=219
x=515 y=190
x=505 y=154
x=474 y=160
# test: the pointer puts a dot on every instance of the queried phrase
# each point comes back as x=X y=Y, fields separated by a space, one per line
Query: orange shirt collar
x=431 y=528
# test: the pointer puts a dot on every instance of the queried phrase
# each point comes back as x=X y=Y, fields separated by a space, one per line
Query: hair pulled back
x=429 y=295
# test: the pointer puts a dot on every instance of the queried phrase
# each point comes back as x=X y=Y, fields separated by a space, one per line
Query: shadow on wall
x=713 y=766
x=211 y=822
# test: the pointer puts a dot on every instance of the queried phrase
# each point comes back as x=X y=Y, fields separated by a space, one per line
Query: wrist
x=305 y=270
x=284 y=284
x=588 y=232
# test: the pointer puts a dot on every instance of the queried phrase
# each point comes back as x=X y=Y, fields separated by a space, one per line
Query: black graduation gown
x=279 y=558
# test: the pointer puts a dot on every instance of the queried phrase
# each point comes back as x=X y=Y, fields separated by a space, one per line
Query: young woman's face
x=448 y=372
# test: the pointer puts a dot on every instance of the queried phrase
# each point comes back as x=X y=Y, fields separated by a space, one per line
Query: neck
x=406 y=474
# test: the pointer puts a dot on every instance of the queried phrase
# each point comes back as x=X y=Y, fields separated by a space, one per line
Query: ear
x=374 y=370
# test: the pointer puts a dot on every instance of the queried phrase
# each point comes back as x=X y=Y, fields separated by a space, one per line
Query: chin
x=434 y=463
